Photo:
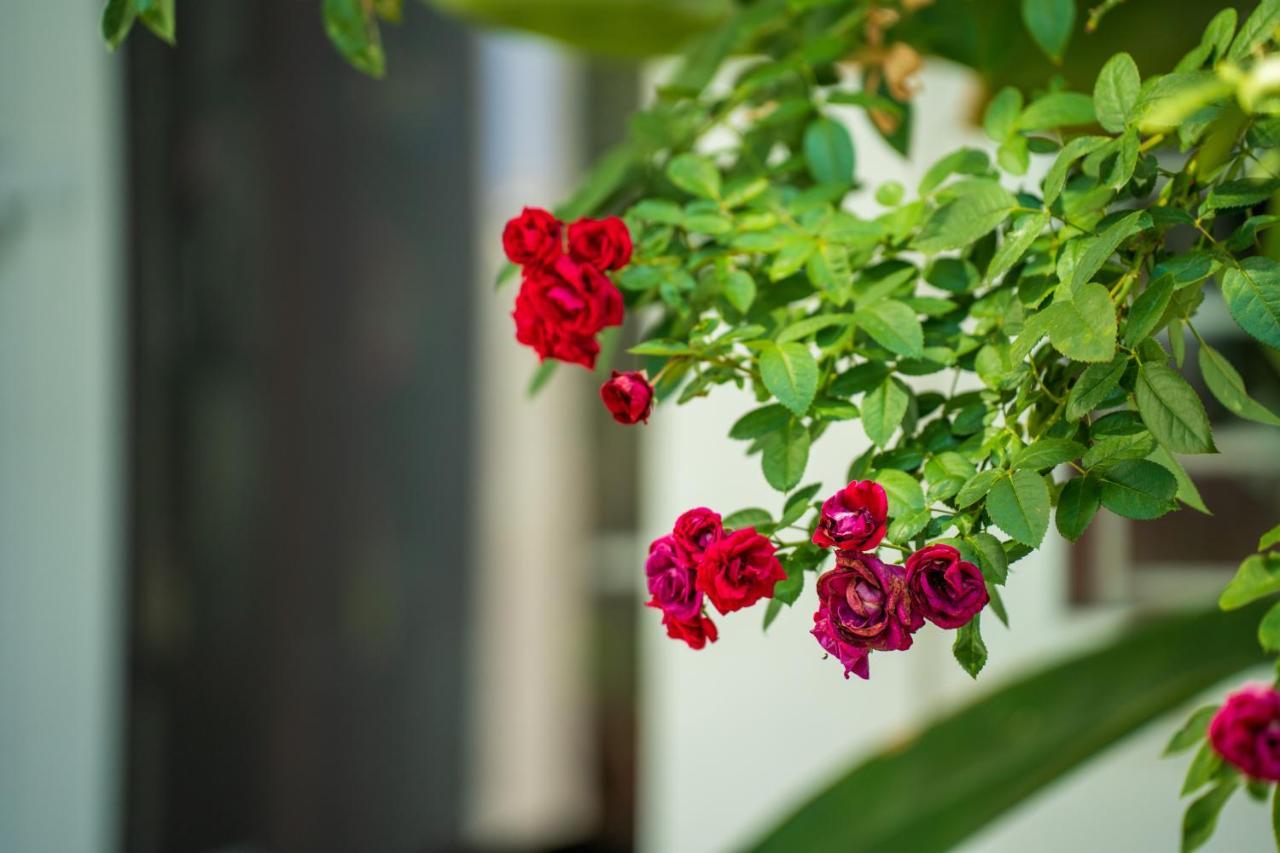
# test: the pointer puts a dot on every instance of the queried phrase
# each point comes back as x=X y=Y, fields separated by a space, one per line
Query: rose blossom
x=697 y=632
x=945 y=589
x=739 y=570
x=671 y=581
x=866 y=604
x=628 y=397
x=571 y=297
x=604 y=243
x=549 y=341
x=533 y=238
x=1246 y=731
x=853 y=519
x=853 y=657
x=695 y=531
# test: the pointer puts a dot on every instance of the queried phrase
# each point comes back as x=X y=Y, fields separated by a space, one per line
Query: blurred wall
x=61 y=493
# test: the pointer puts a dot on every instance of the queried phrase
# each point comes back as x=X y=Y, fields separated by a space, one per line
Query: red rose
x=853 y=519
x=628 y=397
x=604 y=243
x=739 y=570
x=865 y=604
x=548 y=341
x=533 y=238
x=1246 y=731
x=697 y=632
x=694 y=532
x=945 y=589
x=572 y=297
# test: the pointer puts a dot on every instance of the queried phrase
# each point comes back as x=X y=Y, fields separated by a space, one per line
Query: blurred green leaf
x=988 y=757
x=1050 y=23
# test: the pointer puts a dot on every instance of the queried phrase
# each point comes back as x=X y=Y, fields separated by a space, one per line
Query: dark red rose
x=739 y=570
x=853 y=519
x=865 y=604
x=574 y=298
x=853 y=658
x=549 y=341
x=1246 y=731
x=604 y=243
x=694 y=532
x=671 y=581
x=945 y=589
x=533 y=238
x=628 y=397
x=697 y=632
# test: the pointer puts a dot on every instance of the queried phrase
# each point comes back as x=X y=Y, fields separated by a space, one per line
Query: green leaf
x=902 y=490
x=1206 y=763
x=1017 y=240
x=1115 y=93
x=1225 y=384
x=1187 y=491
x=1246 y=192
x=1083 y=328
x=1202 y=815
x=117 y=19
x=970 y=651
x=758 y=422
x=1275 y=814
x=1192 y=732
x=1112 y=449
x=1269 y=539
x=1056 y=178
x=1172 y=411
x=1077 y=505
x=749 y=517
x=354 y=32
x=790 y=374
x=159 y=18
x=977 y=486
x=695 y=175
x=740 y=290
x=1104 y=246
x=1002 y=112
x=1252 y=291
x=828 y=149
x=541 y=376
x=771 y=611
x=1257 y=29
x=1269 y=630
x=785 y=456
x=1057 y=109
x=893 y=325
x=1258 y=576
x=1042 y=727
x=992 y=558
x=1019 y=505
x=1050 y=23
x=802 y=329
x=1094 y=385
x=883 y=409
x=661 y=346
x=1046 y=453
x=1147 y=311
x=1137 y=488
x=962 y=221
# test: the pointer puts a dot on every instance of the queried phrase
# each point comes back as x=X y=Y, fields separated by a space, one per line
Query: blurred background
x=290 y=562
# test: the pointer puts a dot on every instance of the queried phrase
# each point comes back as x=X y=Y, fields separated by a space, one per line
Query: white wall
x=735 y=734
x=61 y=239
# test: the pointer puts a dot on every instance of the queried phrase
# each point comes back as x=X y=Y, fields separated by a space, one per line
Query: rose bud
x=604 y=243
x=671 y=581
x=697 y=632
x=694 y=532
x=1246 y=731
x=853 y=519
x=533 y=238
x=628 y=397
x=854 y=658
x=866 y=603
x=739 y=570
x=945 y=589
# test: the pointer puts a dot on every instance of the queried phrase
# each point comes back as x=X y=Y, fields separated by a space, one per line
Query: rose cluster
x=1246 y=731
x=565 y=297
x=867 y=605
x=700 y=560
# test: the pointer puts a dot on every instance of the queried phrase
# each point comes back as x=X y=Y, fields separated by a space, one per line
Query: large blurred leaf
x=983 y=760
x=616 y=27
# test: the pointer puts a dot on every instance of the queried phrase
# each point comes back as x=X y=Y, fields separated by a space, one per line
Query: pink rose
x=853 y=519
x=866 y=604
x=945 y=589
x=1246 y=731
x=853 y=657
x=672 y=582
